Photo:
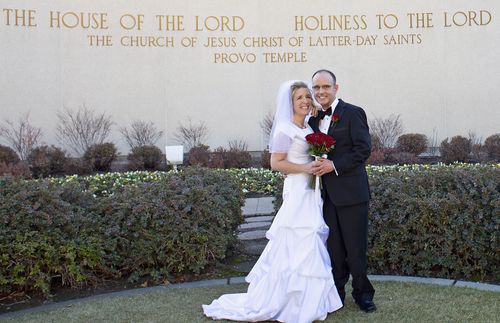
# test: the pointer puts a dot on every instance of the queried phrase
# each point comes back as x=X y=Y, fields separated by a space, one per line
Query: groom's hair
x=326 y=71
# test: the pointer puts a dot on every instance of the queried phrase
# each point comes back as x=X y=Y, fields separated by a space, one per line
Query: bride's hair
x=299 y=85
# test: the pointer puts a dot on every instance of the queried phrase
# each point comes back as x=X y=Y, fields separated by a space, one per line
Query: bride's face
x=302 y=102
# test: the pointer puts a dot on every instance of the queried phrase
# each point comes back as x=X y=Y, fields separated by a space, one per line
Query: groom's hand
x=324 y=166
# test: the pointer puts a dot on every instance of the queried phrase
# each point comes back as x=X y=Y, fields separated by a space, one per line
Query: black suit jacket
x=351 y=151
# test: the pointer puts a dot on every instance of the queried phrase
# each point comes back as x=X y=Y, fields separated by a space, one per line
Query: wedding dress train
x=292 y=280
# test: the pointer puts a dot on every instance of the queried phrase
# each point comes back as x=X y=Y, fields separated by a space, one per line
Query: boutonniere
x=335 y=120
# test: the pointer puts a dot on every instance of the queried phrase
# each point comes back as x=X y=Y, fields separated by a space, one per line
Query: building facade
x=220 y=63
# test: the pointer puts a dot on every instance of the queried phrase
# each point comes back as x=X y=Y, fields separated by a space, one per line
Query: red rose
x=320 y=143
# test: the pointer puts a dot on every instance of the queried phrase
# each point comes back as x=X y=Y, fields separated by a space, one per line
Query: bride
x=292 y=280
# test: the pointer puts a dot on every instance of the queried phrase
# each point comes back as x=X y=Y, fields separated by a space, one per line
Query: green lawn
x=397 y=302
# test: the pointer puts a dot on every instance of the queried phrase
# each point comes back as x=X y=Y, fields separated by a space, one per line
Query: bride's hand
x=312 y=167
x=314 y=111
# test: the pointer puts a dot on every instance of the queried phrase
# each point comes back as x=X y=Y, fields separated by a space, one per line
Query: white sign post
x=174 y=155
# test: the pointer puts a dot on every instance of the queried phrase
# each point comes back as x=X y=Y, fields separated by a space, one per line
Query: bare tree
x=22 y=136
x=477 y=150
x=267 y=124
x=433 y=146
x=387 y=130
x=238 y=145
x=474 y=139
x=81 y=128
x=141 y=133
x=191 y=135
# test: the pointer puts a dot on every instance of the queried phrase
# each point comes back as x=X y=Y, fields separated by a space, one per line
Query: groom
x=346 y=192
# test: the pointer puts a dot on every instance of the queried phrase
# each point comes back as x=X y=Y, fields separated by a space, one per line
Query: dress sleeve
x=281 y=143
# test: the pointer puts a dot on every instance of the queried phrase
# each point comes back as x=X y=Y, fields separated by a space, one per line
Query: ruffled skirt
x=292 y=280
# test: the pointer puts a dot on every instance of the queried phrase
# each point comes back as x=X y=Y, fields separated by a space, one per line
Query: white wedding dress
x=292 y=280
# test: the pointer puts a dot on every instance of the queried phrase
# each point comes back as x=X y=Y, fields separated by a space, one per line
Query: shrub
x=376 y=142
x=238 y=159
x=45 y=161
x=56 y=231
x=377 y=157
x=77 y=166
x=218 y=158
x=8 y=155
x=456 y=150
x=238 y=156
x=257 y=181
x=437 y=221
x=44 y=236
x=171 y=227
x=265 y=159
x=100 y=156
x=20 y=169
x=199 y=156
x=388 y=156
x=401 y=158
x=146 y=158
x=492 y=146
x=413 y=143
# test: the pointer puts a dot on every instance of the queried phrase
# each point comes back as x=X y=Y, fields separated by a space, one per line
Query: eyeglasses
x=325 y=87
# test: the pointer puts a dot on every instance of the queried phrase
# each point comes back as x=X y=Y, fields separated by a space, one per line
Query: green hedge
x=52 y=233
x=436 y=221
x=253 y=181
x=440 y=221
x=44 y=236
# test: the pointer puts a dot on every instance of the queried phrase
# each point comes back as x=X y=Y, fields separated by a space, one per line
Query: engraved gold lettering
x=324 y=41
x=146 y=41
x=220 y=42
x=170 y=23
x=84 y=20
x=420 y=20
x=233 y=58
x=262 y=41
x=333 y=22
x=469 y=18
x=220 y=23
x=285 y=57
x=100 y=40
x=389 y=21
x=20 y=17
x=403 y=39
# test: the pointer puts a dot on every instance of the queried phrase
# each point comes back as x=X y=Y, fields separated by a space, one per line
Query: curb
x=241 y=280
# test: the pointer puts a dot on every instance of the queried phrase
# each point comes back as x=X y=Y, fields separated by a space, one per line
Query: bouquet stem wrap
x=316 y=180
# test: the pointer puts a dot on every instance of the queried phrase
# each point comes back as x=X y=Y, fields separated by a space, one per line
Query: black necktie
x=322 y=113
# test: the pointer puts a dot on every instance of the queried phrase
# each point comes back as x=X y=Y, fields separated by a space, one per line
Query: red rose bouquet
x=320 y=145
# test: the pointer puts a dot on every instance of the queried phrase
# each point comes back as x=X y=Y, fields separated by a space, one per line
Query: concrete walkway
x=258 y=214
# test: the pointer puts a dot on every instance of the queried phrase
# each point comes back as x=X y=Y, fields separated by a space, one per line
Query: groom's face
x=324 y=89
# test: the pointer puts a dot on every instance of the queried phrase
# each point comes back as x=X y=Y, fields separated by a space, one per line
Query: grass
x=396 y=302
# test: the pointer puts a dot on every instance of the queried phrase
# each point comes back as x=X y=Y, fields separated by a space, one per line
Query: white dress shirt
x=324 y=124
